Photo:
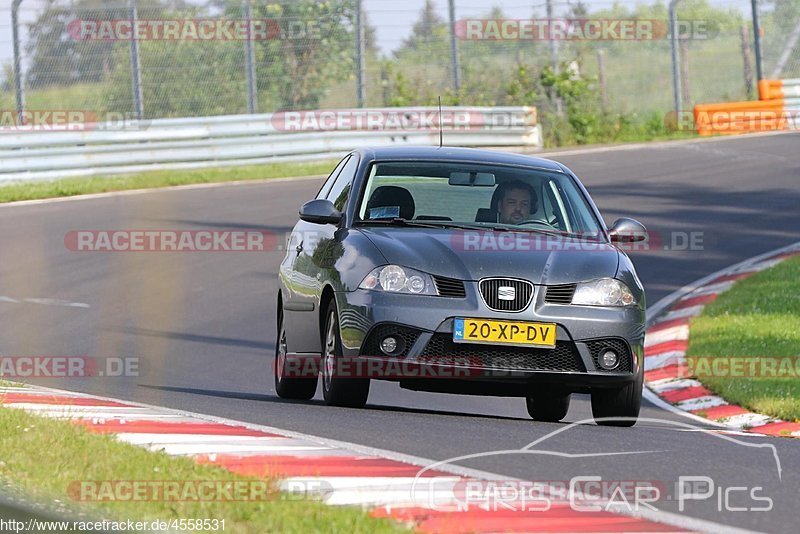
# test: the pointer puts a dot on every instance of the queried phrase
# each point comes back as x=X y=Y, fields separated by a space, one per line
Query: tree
x=429 y=28
x=57 y=57
x=298 y=68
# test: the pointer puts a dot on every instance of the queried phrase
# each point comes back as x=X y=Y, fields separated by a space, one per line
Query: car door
x=290 y=289
x=312 y=265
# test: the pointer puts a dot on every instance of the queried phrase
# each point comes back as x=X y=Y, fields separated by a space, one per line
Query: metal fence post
x=136 y=82
x=20 y=96
x=676 y=73
x=250 y=62
x=757 y=40
x=553 y=50
x=454 y=47
x=360 y=51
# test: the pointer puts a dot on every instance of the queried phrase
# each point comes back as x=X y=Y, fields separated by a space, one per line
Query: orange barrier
x=778 y=89
x=776 y=110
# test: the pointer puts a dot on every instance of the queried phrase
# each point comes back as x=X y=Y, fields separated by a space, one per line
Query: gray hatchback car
x=461 y=271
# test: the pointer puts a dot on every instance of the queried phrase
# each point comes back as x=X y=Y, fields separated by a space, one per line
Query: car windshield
x=473 y=195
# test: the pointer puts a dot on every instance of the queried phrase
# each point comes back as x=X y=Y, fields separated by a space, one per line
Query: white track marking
x=657 y=361
x=44 y=302
x=672 y=385
x=746 y=420
x=682 y=313
x=679 y=521
x=701 y=403
x=675 y=333
x=191 y=449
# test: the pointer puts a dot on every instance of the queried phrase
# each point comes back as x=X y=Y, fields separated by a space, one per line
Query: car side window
x=326 y=187
x=341 y=187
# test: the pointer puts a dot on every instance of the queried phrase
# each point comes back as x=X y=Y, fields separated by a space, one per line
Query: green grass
x=41 y=457
x=81 y=186
x=759 y=318
x=80 y=96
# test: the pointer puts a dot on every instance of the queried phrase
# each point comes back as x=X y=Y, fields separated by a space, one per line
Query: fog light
x=389 y=345
x=609 y=359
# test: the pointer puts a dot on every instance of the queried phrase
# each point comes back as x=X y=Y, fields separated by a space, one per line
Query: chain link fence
x=172 y=58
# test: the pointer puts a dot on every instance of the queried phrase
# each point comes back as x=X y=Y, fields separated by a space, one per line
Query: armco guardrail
x=778 y=108
x=65 y=150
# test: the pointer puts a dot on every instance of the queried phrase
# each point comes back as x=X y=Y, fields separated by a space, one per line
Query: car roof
x=447 y=153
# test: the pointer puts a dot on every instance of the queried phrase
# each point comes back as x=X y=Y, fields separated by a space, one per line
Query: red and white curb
x=666 y=371
x=388 y=484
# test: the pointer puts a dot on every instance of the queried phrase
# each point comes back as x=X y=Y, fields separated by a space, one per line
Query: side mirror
x=627 y=230
x=320 y=211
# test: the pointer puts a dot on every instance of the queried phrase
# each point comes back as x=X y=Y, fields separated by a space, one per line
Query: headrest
x=391 y=196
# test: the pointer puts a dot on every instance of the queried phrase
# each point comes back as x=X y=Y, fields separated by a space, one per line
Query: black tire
x=350 y=392
x=289 y=387
x=618 y=406
x=551 y=406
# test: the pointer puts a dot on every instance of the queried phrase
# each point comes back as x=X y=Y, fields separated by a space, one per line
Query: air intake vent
x=560 y=294
x=448 y=287
x=506 y=294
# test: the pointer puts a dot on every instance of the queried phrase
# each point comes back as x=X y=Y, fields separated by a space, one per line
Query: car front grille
x=618 y=345
x=442 y=350
x=561 y=294
x=449 y=287
x=506 y=294
x=406 y=336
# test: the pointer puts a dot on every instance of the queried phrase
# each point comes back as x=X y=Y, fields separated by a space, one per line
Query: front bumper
x=424 y=326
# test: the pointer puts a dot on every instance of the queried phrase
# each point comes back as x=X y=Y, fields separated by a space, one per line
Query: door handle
x=299 y=248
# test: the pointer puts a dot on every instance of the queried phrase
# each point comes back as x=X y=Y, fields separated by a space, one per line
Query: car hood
x=472 y=255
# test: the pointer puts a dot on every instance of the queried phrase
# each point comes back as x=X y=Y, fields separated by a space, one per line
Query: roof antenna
x=440 y=121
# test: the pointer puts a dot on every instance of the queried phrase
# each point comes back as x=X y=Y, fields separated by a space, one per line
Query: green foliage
x=183 y=78
x=7 y=81
x=296 y=74
x=58 y=58
x=44 y=459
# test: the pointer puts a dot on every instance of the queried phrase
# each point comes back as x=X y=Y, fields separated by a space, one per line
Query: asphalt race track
x=203 y=324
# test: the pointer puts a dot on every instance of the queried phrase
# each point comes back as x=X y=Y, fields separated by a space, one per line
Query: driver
x=515 y=202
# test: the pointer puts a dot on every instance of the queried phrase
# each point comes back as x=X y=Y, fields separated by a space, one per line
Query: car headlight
x=396 y=279
x=603 y=292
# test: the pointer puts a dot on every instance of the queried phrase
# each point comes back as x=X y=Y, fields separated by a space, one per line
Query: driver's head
x=515 y=203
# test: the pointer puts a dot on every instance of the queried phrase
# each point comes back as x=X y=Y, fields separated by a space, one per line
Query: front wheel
x=338 y=390
x=548 y=406
x=618 y=406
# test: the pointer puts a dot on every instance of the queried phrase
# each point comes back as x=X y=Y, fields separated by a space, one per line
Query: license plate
x=521 y=334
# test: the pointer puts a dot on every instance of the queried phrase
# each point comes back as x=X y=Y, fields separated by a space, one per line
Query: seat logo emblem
x=506 y=293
